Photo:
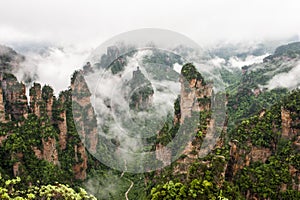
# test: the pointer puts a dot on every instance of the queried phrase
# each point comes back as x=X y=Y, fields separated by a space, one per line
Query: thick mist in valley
x=150 y=98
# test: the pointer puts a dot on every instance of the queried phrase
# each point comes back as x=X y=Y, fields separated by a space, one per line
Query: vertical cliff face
x=14 y=95
x=50 y=150
x=2 y=108
x=41 y=100
x=48 y=99
x=286 y=123
x=290 y=122
x=69 y=140
x=35 y=94
x=62 y=122
x=242 y=157
x=194 y=101
x=81 y=162
x=195 y=97
x=290 y=126
x=163 y=154
x=140 y=91
x=85 y=118
x=58 y=137
x=193 y=92
x=41 y=105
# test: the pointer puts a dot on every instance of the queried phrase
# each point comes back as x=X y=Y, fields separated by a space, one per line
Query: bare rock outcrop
x=2 y=108
x=62 y=123
x=163 y=154
x=195 y=97
x=35 y=94
x=50 y=151
x=85 y=120
x=51 y=114
x=14 y=96
x=286 y=123
x=81 y=162
x=191 y=97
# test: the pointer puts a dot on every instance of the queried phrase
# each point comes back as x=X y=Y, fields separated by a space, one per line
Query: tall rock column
x=35 y=94
x=47 y=95
x=195 y=93
x=14 y=95
x=85 y=117
x=62 y=123
x=2 y=108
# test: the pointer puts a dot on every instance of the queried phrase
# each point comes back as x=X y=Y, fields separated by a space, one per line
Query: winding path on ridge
x=131 y=185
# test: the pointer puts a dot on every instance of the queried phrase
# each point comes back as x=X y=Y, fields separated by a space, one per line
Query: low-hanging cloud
x=288 y=80
x=236 y=62
x=249 y=60
x=54 y=66
x=116 y=121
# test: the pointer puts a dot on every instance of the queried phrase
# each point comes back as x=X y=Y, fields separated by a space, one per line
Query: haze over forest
x=150 y=99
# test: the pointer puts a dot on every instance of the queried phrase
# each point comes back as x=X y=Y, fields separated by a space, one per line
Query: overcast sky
x=81 y=25
x=91 y=22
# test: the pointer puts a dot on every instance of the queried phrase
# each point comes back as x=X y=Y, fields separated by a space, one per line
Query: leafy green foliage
x=202 y=187
x=190 y=72
x=265 y=180
x=9 y=190
x=260 y=180
x=255 y=121
x=291 y=50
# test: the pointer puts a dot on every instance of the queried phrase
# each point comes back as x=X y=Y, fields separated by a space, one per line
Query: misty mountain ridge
x=9 y=59
x=259 y=137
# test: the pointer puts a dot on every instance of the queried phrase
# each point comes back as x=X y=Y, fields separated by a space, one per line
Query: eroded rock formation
x=50 y=112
